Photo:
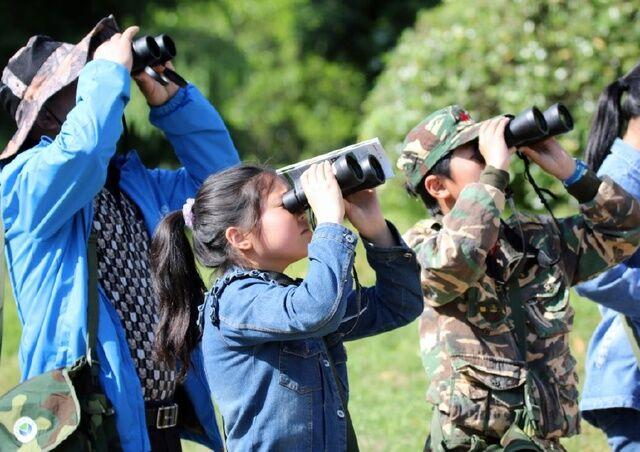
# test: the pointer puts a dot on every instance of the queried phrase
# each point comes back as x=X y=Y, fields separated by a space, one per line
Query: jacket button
x=326 y=363
x=408 y=255
x=349 y=238
x=340 y=414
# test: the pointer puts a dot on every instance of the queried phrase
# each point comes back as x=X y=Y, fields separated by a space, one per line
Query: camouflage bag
x=63 y=409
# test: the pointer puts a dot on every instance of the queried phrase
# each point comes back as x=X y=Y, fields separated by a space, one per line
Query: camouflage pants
x=446 y=436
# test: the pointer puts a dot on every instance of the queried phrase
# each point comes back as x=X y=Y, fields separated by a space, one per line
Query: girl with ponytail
x=273 y=346
x=611 y=394
x=615 y=118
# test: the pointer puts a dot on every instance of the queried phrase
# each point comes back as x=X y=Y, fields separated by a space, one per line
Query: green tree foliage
x=502 y=56
x=288 y=76
x=278 y=101
x=357 y=32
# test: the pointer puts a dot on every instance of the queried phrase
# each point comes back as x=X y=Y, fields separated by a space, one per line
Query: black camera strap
x=540 y=192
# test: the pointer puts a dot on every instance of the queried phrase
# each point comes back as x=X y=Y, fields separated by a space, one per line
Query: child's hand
x=552 y=158
x=364 y=213
x=155 y=93
x=492 y=145
x=118 y=48
x=323 y=193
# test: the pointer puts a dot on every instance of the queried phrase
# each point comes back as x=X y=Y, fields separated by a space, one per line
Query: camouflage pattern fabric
x=40 y=413
x=58 y=410
x=435 y=137
x=478 y=378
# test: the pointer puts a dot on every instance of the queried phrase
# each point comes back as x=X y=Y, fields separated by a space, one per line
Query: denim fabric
x=266 y=344
x=612 y=373
x=46 y=196
x=621 y=427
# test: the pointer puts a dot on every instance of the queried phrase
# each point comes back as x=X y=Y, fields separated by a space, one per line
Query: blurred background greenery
x=295 y=78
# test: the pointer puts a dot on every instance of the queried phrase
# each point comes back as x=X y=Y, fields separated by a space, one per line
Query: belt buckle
x=167 y=416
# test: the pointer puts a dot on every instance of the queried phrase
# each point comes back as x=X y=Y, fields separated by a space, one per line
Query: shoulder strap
x=92 y=302
x=632 y=334
x=514 y=296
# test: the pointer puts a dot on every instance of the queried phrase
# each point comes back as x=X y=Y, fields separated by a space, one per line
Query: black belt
x=162 y=416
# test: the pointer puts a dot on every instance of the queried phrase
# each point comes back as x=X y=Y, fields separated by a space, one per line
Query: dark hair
x=612 y=116
x=233 y=197
x=441 y=168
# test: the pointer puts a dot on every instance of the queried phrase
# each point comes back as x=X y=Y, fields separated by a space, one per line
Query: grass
x=388 y=383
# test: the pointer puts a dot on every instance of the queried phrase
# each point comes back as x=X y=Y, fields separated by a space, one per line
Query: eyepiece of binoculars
x=150 y=51
x=351 y=174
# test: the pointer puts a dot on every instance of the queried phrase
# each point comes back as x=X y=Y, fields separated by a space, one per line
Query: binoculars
x=357 y=167
x=149 y=51
x=532 y=125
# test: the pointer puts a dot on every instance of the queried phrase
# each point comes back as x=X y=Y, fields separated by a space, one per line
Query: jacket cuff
x=495 y=177
x=336 y=232
x=177 y=101
x=386 y=254
x=585 y=188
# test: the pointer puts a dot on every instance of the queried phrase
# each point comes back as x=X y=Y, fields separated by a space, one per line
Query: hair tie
x=187 y=212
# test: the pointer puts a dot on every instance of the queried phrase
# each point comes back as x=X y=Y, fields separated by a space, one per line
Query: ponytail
x=607 y=125
x=179 y=289
x=233 y=197
x=612 y=116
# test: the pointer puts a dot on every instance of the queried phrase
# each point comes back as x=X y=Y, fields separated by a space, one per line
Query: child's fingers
x=317 y=173
x=502 y=125
x=328 y=172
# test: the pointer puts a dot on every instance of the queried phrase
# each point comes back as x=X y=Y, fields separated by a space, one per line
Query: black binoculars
x=532 y=125
x=150 y=51
x=352 y=174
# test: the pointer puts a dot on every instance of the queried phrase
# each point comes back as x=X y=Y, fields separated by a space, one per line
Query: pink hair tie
x=187 y=213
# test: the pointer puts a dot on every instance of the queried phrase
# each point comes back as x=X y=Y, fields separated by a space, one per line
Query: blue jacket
x=47 y=194
x=612 y=373
x=265 y=357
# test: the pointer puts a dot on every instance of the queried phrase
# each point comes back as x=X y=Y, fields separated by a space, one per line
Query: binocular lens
x=145 y=52
x=354 y=166
x=352 y=176
x=348 y=171
x=167 y=47
x=565 y=116
x=526 y=127
x=559 y=119
x=373 y=172
x=538 y=117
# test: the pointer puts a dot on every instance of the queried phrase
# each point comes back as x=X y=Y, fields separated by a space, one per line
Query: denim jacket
x=612 y=373
x=267 y=344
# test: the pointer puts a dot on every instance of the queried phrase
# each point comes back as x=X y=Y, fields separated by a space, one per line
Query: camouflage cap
x=431 y=140
x=38 y=71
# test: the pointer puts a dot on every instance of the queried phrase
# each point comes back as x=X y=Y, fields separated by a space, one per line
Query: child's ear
x=435 y=186
x=238 y=239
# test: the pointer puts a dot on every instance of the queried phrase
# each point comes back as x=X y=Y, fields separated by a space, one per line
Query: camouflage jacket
x=467 y=338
